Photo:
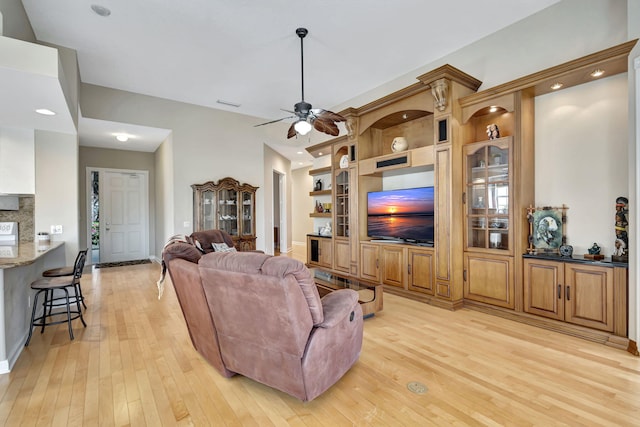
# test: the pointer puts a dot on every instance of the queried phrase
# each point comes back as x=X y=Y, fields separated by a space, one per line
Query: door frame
x=88 y=187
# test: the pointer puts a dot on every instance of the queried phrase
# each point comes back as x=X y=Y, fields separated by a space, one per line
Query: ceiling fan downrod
x=302 y=32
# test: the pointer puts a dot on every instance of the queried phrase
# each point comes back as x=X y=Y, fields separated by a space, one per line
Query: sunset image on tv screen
x=412 y=201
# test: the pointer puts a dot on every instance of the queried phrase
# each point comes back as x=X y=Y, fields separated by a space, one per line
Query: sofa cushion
x=181 y=250
x=279 y=266
x=222 y=247
x=259 y=263
x=204 y=239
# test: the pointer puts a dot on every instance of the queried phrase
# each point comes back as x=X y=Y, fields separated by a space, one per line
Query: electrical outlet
x=56 y=229
x=186 y=224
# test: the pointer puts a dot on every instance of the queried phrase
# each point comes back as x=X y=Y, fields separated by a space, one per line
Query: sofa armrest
x=336 y=306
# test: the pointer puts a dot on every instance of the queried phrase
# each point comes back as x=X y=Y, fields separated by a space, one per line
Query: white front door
x=123 y=216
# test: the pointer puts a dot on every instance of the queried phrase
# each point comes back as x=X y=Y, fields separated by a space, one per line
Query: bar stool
x=48 y=286
x=68 y=271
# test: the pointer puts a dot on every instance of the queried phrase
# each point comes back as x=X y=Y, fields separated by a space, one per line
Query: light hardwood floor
x=134 y=365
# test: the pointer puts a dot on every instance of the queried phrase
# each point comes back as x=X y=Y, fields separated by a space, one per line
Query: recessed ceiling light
x=493 y=109
x=299 y=152
x=45 y=112
x=597 y=73
x=100 y=10
x=122 y=137
x=320 y=153
x=556 y=86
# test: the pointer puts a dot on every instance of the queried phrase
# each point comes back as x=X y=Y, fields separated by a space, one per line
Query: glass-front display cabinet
x=342 y=203
x=488 y=182
x=229 y=206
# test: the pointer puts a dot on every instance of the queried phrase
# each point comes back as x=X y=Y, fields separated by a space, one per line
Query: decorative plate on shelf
x=566 y=250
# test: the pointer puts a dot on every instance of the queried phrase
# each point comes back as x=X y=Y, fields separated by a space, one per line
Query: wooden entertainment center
x=483 y=184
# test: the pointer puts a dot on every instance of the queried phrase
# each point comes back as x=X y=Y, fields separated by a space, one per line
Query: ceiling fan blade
x=274 y=121
x=326 y=114
x=326 y=125
x=288 y=111
x=292 y=131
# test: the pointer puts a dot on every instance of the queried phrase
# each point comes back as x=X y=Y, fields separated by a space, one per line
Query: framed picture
x=547 y=228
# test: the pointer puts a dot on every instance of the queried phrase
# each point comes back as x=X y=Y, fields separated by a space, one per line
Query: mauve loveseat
x=261 y=316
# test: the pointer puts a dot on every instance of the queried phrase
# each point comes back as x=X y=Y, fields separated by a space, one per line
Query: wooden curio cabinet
x=487 y=177
x=495 y=195
x=229 y=206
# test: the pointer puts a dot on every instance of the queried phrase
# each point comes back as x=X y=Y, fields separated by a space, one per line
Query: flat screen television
x=404 y=214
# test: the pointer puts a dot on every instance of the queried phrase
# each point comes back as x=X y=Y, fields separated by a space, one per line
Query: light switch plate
x=56 y=229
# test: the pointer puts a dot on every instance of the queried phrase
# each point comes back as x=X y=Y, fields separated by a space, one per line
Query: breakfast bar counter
x=20 y=265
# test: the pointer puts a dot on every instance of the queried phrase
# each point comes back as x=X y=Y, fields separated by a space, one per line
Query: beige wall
x=92 y=157
x=15 y=23
x=274 y=162
x=207 y=145
x=56 y=199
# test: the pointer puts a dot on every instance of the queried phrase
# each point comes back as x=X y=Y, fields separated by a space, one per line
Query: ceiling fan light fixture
x=303 y=127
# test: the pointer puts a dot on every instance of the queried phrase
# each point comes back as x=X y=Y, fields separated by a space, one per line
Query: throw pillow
x=198 y=245
x=222 y=247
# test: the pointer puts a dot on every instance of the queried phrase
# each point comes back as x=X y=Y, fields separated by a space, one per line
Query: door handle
x=568 y=293
x=559 y=291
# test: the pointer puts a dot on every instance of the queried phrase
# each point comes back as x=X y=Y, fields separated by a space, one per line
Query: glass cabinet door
x=208 y=204
x=487 y=197
x=247 y=213
x=342 y=204
x=228 y=211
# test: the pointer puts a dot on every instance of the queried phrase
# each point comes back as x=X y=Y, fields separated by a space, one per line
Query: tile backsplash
x=24 y=216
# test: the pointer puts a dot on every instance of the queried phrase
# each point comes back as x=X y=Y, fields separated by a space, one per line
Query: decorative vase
x=318 y=186
x=399 y=144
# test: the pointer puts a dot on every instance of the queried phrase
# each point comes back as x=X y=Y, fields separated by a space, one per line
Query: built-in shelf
x=320 y=193
x=320 y=215
x=320 y=171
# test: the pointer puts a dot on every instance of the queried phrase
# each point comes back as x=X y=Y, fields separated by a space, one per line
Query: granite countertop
x=579 y=259
x=24 y=253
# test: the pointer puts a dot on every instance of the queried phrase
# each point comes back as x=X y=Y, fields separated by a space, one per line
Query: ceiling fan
x=308 y=117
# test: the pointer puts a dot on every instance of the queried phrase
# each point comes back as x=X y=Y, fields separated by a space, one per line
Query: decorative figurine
x=594 y=253
x=492 y=131
x=318 y=186
x=620 y=253
x=594 y=250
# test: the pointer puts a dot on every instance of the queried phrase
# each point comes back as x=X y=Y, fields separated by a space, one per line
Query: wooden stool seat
x=57 y=272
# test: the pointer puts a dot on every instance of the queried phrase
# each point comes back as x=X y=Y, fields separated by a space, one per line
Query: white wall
x=567 y=30
x=581 y=158
x=56 y=199
x=634 y=169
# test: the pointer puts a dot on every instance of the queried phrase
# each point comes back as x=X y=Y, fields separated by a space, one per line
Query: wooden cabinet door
x=343 y=255
x=489 y=279
x=393 y=265
x=420 y=271
x=544 y=288
x=326 y=251
x=589 y=296
x=369 y=262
